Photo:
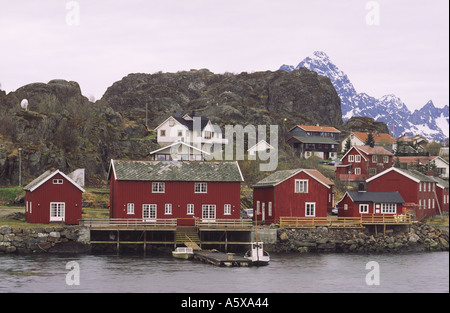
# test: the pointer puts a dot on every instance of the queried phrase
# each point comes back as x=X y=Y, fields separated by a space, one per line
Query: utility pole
x=20 y=167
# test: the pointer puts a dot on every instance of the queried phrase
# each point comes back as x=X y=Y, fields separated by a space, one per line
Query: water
x=287 y=273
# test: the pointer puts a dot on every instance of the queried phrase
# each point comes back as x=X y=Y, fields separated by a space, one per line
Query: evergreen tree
x=370 y=141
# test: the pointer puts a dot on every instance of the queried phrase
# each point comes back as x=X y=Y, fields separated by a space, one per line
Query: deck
x=221 y=259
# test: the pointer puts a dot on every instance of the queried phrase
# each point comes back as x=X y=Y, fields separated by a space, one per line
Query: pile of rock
x=418 y=237
x=71 y=239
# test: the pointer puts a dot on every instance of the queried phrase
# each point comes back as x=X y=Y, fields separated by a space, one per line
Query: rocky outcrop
x=67 y=239
x=419 y=237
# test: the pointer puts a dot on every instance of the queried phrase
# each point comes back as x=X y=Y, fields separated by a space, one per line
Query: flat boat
x=257 y=255
x=184 y=253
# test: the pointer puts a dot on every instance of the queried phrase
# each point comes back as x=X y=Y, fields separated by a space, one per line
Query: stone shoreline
x=415 y=238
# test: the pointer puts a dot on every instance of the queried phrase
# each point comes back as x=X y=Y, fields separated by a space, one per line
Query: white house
x=262 y=145
x=196 y=131
x=380 y=139
x=179 y=151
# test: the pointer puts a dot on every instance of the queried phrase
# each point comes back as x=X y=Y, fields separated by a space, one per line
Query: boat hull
x=183 y=256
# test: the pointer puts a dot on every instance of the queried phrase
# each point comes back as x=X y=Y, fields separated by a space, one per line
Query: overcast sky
x=396 y=47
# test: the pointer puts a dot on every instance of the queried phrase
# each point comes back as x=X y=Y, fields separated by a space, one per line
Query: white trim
x=170 y=117
x=365 y=205
x=306 y=205
x=357 y=150
x=51 y=176
x=58 y=218
x=240 y=172
x=393 y=169
x=177 y=143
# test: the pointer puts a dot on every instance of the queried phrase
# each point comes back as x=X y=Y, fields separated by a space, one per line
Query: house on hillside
x=362 y=162
x=319 y=141
x=194 y=130
x=418 y=142
x=262 y=145
x=152 y=190
x=53 y=197
x=293 y=193
x=437 y=164
x=179 y=151
x=417 y=189
x=366 y=205
x=359 y=139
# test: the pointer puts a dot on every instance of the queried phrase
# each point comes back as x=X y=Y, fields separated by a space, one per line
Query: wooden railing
x=224 y=223
x=344 y=222
x=128 y=222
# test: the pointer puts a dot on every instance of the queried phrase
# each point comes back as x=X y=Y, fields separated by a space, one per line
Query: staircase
x=188 y=236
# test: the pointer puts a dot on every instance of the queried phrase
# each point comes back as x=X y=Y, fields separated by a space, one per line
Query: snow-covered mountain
x=429 y=121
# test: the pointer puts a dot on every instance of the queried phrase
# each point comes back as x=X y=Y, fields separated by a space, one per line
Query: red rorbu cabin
x=184 y=190
x=53 y=197
x=293 y=193
x=364 y=204
x=417 y=189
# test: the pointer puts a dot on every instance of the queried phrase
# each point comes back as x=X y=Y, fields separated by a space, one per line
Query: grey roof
x=417 y=175
x=280 y=176
x=176 y=171
x=376 y=196
x=442 y=182
x=38 y=180
x=190 y=123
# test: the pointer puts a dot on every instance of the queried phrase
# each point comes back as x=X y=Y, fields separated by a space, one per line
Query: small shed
x=367 y=204
x=53 y=197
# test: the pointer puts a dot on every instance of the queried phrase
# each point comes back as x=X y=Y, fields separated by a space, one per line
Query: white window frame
x=210 y=210
x=363 y=208
x=168 y=209
x=130 y=208
x=227 y=209
x=150 y=210
x=357 y=158
x=385 y=159
x=58 y=181
x=57 y=211
x=301 y=186
x=258 y=206
x=270 y=208
x=388 y=208
x=201 y=188
x=158 y=187
x=374 y=158
x=311 y=207
x=190 y=209
x=357 y=171
x=351 y=158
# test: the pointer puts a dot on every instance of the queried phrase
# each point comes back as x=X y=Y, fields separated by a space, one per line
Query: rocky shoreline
x=415 y=238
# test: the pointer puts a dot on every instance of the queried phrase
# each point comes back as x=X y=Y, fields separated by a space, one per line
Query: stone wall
x=67 y=239
x=417 y=237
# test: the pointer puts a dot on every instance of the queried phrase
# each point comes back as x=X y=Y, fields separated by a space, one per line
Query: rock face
x=63 y=129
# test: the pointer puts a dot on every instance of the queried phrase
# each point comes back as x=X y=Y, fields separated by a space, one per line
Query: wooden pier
x=221 y=259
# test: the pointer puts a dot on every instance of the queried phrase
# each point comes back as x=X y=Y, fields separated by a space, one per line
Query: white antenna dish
x=24 y=104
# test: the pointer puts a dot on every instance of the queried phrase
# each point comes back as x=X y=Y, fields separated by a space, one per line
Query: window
x=190 y=209
x=200 y=188
x=130 y=208
x=209 y=211
x=363 y=208
x=58 y=181
x=208 y=135
x=270 y=208
x=258 y=205
x=420 y=204
x=301 y=186
x=433 y=203
x=357 y=158
x=357 y=171
x=162 y=133
x=310 y=209
x=388 y=208
x=372 y=171
x=149 y=211
x=429 y=203
x=180 y=133
x=420 y=186
x=168 y=209
x=351 y=158
x=57 y=211
x=374 y=158
x=171 y=123
x=385 y=159
x=227 y=209
x=158 y=187
x=345 y=207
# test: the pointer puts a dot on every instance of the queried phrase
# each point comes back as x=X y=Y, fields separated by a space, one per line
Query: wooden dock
x=221 y=259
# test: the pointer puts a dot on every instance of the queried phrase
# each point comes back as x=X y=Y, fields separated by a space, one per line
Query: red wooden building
x=152 y=190
x=362 y=162
x=417 y=189
x=53 y=197
x=442 y=194
x=363 y=204
x=293 y=193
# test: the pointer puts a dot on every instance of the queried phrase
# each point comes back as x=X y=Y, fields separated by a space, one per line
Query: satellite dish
x=24 y=104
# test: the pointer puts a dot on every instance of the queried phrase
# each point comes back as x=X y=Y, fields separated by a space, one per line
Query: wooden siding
x=353 y=209
x=37 y=203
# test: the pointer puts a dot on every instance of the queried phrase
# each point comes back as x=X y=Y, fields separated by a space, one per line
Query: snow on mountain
x=429 y=121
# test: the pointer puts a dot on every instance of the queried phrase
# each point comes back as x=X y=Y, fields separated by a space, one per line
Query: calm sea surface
x=418 y=272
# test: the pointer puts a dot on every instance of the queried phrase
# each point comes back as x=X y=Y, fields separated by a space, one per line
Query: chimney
x=430 y=173
x=361 y=187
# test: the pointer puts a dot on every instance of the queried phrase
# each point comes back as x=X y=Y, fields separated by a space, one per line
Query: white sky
x=407 y=54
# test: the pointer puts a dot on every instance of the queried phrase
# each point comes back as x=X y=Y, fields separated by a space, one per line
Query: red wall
x=287 y=203
x=408 y=189
x=442 y=195
x=353 y=209
x=179 y=194
x=39 y=201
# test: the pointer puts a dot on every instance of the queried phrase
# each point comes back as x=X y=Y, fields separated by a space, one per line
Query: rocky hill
x=63 y=129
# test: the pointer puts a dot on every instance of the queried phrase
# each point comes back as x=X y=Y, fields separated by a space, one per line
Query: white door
x=57 y=211
x=149 y=212
x=209 y=212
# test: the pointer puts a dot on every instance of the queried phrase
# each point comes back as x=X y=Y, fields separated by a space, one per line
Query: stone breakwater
x=67 y=239
x=415 y=238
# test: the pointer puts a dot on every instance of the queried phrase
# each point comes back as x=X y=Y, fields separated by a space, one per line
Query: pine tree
x=370 y=141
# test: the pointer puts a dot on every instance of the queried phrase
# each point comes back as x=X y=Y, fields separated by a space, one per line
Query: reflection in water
x=418 y=272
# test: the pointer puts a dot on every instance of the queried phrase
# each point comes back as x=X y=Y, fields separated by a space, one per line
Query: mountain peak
x=321 y=55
